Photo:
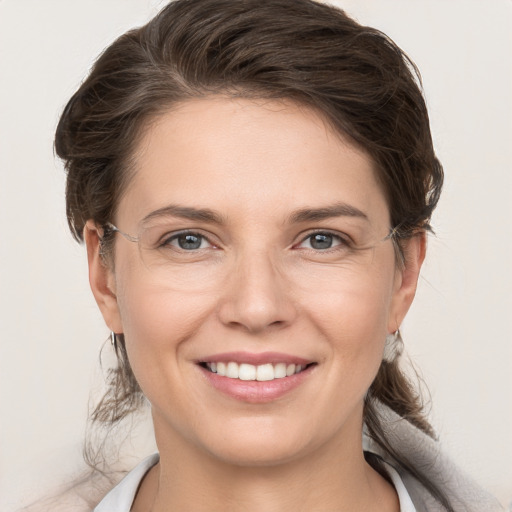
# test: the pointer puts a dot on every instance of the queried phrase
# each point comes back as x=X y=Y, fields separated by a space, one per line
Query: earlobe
x=407 y=279
x=101 y=279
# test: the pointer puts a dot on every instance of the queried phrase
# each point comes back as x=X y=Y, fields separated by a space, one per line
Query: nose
x=257 y=296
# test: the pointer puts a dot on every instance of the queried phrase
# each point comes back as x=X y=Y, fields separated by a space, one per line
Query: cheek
x=156 y=311
x=352 y=303
x=351 y=312
x=157 y=324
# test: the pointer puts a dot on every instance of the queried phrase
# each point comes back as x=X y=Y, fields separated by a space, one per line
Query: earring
x=113 y=340
x=393 y=347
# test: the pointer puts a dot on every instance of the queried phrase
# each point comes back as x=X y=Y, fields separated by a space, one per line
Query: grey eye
x=321 y=241
x=188 y=241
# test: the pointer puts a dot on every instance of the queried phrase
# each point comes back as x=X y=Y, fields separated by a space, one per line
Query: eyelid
x=343 y=237
x=167 y=238
x=213 y=241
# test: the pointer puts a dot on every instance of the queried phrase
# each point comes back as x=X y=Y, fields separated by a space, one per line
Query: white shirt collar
x=120 y=498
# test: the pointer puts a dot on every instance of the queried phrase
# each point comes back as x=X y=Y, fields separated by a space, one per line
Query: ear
x=102 y=279
x=406 y=279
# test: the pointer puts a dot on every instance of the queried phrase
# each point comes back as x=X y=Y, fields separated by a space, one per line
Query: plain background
x=459 y=331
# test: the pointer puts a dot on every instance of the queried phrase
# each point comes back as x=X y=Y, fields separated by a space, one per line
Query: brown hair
x=304 y=51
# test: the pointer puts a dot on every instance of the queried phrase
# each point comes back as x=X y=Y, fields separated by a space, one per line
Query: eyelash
x=168 y=239
x=342 y=240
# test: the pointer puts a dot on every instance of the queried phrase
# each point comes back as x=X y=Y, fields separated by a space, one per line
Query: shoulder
x=464 y=494
x=81 y=495
x=426 y=454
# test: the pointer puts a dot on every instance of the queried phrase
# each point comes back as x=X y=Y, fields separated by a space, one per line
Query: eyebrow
x=186 y=212
x=298 y=216
x=327 y=212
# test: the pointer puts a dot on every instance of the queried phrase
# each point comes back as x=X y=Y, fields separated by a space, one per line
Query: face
x=256 y=303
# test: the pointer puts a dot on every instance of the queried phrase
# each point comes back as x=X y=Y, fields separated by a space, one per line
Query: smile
x=250 y=372
x=256 y=378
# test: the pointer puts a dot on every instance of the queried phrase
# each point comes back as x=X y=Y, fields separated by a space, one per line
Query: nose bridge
x=256 y=295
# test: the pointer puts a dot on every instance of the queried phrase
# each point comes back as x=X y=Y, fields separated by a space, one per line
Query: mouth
x=250 y=372
x=256 y=378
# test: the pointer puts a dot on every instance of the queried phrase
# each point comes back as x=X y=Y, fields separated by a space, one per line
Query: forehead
x=246 y=157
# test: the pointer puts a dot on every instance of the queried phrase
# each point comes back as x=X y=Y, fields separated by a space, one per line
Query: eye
x=187 y=241
x=322 y=241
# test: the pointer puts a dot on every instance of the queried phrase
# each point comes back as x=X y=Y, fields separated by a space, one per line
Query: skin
x=259 y=286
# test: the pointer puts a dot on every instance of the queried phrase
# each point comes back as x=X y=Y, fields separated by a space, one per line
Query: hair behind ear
x=121 y=398
x=394 y=389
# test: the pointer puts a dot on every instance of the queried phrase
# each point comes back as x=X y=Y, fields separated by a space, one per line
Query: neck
x=332 y=477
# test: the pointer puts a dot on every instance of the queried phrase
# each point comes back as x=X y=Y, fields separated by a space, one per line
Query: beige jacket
x=464 y=494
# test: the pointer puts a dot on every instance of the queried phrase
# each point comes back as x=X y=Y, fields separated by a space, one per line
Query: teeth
x=246 y=372
x=221 y=369
x=263 y=372
x=280 y=370
x=232 y=371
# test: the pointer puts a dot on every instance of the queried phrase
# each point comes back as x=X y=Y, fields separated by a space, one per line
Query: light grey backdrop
x=459 y=331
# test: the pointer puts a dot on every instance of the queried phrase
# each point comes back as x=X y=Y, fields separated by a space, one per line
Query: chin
x=263 y=443
x=260 y=453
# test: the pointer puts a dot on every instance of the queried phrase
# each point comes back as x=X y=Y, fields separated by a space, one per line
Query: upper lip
x=255 y=358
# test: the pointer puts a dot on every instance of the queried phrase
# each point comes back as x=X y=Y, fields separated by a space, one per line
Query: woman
x=254 y=183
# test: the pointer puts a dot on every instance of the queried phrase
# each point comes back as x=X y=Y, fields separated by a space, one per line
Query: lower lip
x=253 y=391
